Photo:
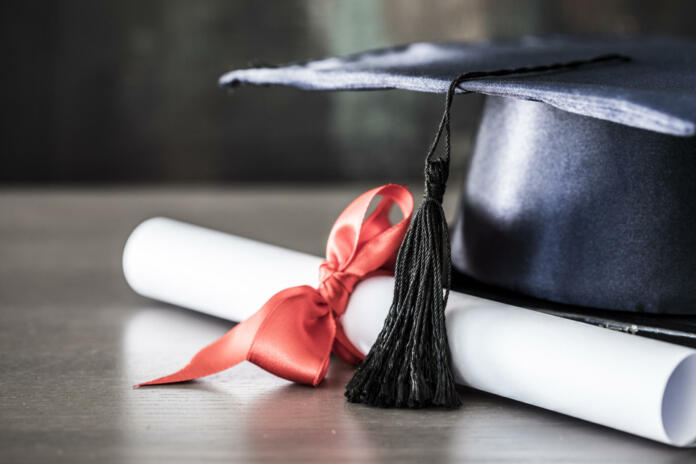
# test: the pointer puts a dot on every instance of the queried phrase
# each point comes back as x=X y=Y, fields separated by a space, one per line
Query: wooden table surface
x=74 y=337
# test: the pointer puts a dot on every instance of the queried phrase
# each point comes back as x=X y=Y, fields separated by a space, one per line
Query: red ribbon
x=293 y=334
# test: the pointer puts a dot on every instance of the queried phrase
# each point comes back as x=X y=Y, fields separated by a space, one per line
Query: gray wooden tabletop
x=74 y=337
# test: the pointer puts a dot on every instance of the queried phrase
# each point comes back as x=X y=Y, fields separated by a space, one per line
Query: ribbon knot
x=293 y=334
x=335 y=287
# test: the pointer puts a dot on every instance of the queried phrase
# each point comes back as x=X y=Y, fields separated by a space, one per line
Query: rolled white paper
x=630 y=383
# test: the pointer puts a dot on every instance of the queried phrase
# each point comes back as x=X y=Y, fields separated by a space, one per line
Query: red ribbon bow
x=292 y=335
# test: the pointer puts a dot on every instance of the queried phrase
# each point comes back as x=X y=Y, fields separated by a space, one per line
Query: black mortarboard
x=581 y=189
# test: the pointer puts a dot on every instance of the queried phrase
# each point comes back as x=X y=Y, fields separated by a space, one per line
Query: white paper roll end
x=135 y=268
x=679 y=403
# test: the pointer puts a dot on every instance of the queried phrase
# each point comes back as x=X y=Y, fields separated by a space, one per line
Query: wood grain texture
x=74 y=337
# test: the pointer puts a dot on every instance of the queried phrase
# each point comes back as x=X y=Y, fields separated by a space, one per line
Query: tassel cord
x=409 y=364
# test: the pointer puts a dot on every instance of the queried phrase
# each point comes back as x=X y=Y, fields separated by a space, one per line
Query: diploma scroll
x=634 y=384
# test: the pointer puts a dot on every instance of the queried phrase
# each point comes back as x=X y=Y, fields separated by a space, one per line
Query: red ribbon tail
x=290 y=336
x=214 y=358
x=225 y=352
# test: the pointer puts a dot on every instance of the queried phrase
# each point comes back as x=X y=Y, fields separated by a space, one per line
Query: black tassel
x=410 y=363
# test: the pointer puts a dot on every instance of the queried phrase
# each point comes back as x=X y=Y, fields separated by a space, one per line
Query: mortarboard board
x=580 y=190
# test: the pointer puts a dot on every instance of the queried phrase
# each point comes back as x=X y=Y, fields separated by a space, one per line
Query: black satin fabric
x=580 y=211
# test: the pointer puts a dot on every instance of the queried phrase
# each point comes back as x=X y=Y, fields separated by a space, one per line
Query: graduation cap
x=581 y=189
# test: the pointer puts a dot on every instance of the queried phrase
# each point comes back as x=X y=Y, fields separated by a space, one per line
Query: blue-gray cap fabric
x=557 y=205
x=654 y=91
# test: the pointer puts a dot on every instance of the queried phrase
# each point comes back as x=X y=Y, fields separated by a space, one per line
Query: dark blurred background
x=126 y=91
